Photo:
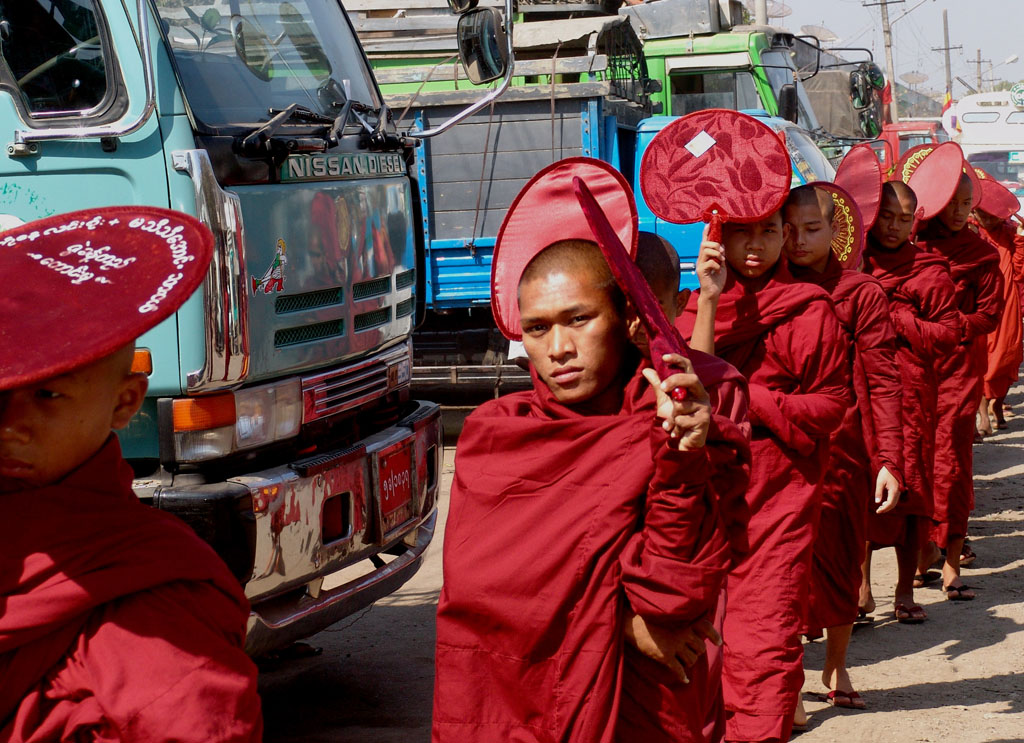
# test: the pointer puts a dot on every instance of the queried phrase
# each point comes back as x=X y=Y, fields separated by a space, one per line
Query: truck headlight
x=215 y=426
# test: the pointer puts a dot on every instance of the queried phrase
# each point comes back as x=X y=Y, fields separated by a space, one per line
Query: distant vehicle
x=897 y=139
x=991 y=133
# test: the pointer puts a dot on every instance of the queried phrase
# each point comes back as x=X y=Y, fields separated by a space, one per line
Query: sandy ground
x=959 y=677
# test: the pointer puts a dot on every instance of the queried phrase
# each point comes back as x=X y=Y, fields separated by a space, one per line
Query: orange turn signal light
x=204 y=413
x=142 y=362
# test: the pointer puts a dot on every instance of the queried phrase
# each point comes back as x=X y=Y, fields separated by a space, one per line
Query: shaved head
x=901 y=192
x=579 y=258
x=809 y=195
x=659 y=263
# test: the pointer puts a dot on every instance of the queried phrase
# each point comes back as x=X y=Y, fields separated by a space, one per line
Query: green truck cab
x=704 y=57
x=279 y=422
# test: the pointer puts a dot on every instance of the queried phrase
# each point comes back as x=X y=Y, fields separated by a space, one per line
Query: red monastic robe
x=1018 y=268
x=117 y=623
x=924 y=315
x=558 y=523
x=1004 y=344
x=785 y=338
x=871 y=437
x=974 y=267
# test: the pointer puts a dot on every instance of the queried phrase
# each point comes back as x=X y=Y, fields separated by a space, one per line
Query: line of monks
x=631 y=558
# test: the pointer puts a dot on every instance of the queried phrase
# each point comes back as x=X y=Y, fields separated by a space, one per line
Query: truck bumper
x=273 y=624
x=317 y=539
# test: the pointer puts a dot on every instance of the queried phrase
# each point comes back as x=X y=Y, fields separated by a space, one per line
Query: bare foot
x=866 y=602
x=930 y=554
x=800 y=715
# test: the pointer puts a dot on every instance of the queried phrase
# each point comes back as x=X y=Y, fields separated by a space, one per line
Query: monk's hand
x=887 y=491
x=686 y=421
x=676 y=649
x=711 y=269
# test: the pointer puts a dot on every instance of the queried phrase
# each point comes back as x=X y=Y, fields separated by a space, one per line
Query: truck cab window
x=702 y=90
x=53 y=53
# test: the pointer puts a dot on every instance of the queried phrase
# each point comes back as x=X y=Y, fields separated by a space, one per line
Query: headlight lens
x=262 y=415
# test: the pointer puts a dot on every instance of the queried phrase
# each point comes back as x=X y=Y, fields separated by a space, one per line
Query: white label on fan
x=700 y=144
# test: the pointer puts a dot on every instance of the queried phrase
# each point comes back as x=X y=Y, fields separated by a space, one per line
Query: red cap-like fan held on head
x=847 y=225
x=934 y=178
x=547 y=211
x=913 y=158
x=860 y=175
x=997 y=199
x=80 y=286
x=716 y=166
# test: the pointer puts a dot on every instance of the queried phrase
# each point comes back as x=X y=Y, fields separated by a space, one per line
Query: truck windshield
x=697 y=91
x=1003 y=165
x=778 y=67
x=238 y=59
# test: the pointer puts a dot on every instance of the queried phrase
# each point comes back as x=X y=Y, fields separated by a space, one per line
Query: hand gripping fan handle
x=663 y=337
x=715 y=228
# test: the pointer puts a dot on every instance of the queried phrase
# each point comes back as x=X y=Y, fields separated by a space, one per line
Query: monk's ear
x=634 y=326
x=682 y=299
x=130 y=396
x=787 y=230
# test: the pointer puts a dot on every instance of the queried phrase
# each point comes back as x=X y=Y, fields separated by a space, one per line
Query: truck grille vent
x=308 y=301
x=405 y=307
x=405 y=279
x=335 y=392
x=374 y=319
x=371 y=288
x=307 y=333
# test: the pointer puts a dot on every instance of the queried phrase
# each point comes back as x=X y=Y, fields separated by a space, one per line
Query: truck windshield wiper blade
x=260 y=136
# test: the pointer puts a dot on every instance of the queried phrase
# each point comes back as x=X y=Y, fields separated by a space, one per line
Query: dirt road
x=959 y=677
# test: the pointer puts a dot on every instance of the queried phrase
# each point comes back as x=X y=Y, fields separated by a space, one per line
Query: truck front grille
x=405 y=279
x=307 y=333
x=335 y=392
x=405 y=307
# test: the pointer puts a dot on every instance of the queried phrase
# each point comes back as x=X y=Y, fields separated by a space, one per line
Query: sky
x=994 y=26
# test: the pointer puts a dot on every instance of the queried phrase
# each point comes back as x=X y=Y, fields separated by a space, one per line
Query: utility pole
x=947 y=48
x=979 y=69
x=761 y=12
x=891 y=68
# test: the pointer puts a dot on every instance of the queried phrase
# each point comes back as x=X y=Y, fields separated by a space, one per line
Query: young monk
x=927 y=325
x=117 y=622
x=783 y=335
x=974 y=267
x=728 y=446
x=575 y=515
x=857 y=467
x=1004 y=350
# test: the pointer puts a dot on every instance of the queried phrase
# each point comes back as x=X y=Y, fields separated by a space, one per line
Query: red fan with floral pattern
x=716 y=166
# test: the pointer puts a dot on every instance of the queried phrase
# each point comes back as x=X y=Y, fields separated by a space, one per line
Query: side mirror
x=860 y=90
x=482 y=45
x=788 y=104
x=461 y=6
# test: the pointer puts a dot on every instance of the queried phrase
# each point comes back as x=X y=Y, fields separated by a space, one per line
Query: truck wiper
x=258 y=138
x=375 y=137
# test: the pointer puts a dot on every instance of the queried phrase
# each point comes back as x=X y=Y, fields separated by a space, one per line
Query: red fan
x=847 y=225
x=664 y=338
x=934 y=180
x=715 y=165
x=547 y=211
x=860 y=174
x=913 y=158
x=998 y=200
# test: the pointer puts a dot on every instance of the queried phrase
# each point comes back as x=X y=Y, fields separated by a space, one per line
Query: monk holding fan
x=783 y=335
x=581 y=511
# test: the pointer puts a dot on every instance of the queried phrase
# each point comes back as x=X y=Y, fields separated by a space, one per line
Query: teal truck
x=279 y=422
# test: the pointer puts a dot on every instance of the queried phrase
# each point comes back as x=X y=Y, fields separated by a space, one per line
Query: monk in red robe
x=576 y=520
x=783 y=335
x=974 y=267
x=728 y=446
x=1005 y=351
x=927 y=325
x=859 y=467
x=117 y=623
